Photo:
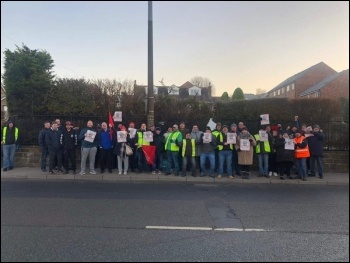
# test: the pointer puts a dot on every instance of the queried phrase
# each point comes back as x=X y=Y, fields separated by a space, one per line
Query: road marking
x=206 y=229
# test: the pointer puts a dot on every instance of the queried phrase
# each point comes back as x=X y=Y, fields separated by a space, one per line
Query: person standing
x=158 y=142
x=225 y=153
x=215 y=133
x=188 y=153
x=284 y=157
x=89 y=143
x=262 y=150
x=140 y=140
x=9 y=140
x=235 y=165
x=69 y=139
x=120 y=151
x=208 y=151
x=172 y=147
x=54 y=145
x=105 y=141
x=132 y=158
x=315 y=141
x=301 y=154
x=245 y=156
x=182 y=129
x=197 y=135
x=43 y=146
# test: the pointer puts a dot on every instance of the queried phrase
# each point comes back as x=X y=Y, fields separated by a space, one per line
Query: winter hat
x=223 y=126
x=233 y=125
x=316 y=126
x=158 y=129
x=208 y=128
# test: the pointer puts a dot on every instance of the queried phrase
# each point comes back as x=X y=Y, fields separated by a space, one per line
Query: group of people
x=225 y=149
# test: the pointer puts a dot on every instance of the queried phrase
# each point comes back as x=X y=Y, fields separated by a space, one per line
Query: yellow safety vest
x=140 y=140
x=4 y=134
x=193 y=142
x=221 y=139
x=266 y=145
x=173 y=146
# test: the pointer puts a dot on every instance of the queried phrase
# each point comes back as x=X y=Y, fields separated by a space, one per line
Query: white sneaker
x=125 y=173
x=82 y=173
x=120 y=173
x=270 y=173
x=93 y=172
x=219 y=176
x=275 y=174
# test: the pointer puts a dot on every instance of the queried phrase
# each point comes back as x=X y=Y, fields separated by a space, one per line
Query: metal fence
x=337 y=133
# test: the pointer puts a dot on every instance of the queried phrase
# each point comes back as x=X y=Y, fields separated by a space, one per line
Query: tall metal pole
x=150 y=99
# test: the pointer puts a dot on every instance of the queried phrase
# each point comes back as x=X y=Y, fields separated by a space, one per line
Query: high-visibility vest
x=140 y=140
x=301 y=152
x=173 y=146
x=216 y=133
x=193 y=142
x=266 y=145
x=221 y=139
x=4 y=134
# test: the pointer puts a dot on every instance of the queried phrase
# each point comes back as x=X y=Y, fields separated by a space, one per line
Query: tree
x=238 y=94
x=225 y=97
x=27 y=79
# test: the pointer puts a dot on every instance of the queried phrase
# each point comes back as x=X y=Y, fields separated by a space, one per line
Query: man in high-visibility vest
x=262 y=150
x=9 y=140
x=188 y=152
x=172 y=148
x=225 y=153
x=139 y=141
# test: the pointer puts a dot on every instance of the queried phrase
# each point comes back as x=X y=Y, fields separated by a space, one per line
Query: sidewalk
x=35 y=173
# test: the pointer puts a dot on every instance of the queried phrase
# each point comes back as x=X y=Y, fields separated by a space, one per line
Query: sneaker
x=82 y=173
x=231 y=177
x=270 y=173
x=219 y=176
x=51 y=172
x=119 y=173
x=153 y=172
x=125 y=173
x=93 y=172
x=159 y=172
x=275 y=174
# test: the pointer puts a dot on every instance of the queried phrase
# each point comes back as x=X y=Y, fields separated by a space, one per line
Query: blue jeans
x=263 y=163
x=173 y=157
x=44 y=154
x=301 y=165
x=319 y=161
x=211 y=157
x=225 y=155
x=8 y=150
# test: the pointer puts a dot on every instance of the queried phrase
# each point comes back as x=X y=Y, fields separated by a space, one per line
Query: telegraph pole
x=150 y=98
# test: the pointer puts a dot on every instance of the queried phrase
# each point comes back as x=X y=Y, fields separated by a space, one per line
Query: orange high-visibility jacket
x=301 y=152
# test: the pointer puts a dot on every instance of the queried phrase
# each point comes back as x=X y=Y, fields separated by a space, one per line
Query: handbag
x=128 y=150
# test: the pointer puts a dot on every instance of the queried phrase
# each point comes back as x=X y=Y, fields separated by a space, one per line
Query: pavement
x=32 y=173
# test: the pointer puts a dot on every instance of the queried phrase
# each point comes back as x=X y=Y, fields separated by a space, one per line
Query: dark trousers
x=235 y=165
x=69 y=155
x=105 y=159
x=44 y=154
x=54 y=153
x=217 y=161
x=158 y=160
x=284 y=167
x=272 y=163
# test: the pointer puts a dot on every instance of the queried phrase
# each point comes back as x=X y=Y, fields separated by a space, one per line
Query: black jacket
x=41 y=138
x=69 y=139
x=53 y=139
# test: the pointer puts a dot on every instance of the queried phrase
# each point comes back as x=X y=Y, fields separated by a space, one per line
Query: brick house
x=295 y=85
x=334 y=86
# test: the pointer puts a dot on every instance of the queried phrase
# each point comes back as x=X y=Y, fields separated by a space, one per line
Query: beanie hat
x=208 y=128
x=233 y=125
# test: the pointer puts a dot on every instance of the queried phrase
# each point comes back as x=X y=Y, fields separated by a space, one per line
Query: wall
x=334 y=161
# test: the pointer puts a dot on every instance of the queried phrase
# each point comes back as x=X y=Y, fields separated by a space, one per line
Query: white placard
x=207 y=138
x=90 y=136
x=231 y=137
x=117 y=117
x=263 y=136
x=289 y=145
x=265 y=119
x=211 y=124
x=148 y=136
x=244 y=145
x=121 y=136
x=132 y=133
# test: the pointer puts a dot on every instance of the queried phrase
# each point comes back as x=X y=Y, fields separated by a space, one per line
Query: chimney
x=209 y=89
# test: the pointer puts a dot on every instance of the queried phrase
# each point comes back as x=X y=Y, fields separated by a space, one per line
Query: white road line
x=206 y=229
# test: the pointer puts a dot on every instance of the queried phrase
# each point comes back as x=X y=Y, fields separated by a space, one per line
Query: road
x=162 y=221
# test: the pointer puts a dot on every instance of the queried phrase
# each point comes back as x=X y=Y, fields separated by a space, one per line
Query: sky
x=251 y=45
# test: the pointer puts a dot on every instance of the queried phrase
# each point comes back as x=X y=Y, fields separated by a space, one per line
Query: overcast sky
x=251 y=45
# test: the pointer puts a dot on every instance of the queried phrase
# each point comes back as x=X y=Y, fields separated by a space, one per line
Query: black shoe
x=74 y=172
x=304 y=178
x=183 y=175
x=281 y=178
x=260 y=175
x=297 y=177
x=203 y=175
x=212 y=176
x=102 y=171
x=267 y=176
x=291 y=177
x=168 y=174
x=66 y=172
x=321 y=177
x=312 y=175
x=5 y=169
x=176 y=174
x=11 y=167
x=194 y=175
x=110 y=171
x=44 y=170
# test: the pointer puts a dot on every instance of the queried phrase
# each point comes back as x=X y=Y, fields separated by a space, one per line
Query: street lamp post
x=150 y=98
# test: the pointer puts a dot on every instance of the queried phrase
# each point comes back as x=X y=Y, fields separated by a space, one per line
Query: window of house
x=287 y=88
x=282 y=90
x=274 y=93
x=292 y=86
x=278 y=92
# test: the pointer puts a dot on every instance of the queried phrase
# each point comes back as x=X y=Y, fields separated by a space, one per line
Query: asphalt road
x=107 y=221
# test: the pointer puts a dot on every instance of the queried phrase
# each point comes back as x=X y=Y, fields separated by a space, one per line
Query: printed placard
x=244 y=145
x=90 y=136
x=117 y=117
x=289 y=145
x=207 y=138
x=132 y=132
x=265 y=119
x=121 y=136
x=148 y=136
x=263 y=136
x=231 y=137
